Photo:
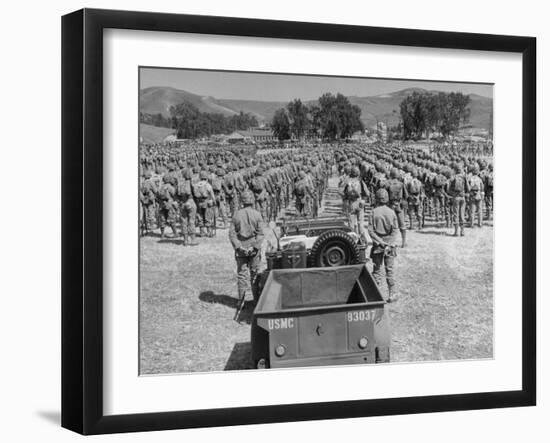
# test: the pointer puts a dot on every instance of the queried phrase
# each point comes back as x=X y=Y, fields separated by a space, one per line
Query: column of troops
x=451 y=187
x=195 y=191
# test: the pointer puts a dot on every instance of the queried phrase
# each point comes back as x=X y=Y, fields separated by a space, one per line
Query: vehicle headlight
x=280 y=350
x=363 y=342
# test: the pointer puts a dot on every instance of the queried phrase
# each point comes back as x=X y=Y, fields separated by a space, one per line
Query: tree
x=298 y=117
x=281 y=125
x=424 y=112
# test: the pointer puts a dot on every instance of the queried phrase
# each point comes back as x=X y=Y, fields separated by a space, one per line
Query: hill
x=153 y=134
x=383 y=107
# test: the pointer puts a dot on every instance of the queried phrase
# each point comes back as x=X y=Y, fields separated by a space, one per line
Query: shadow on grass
x=231 y=302
x=434 y=232
x=240 y=358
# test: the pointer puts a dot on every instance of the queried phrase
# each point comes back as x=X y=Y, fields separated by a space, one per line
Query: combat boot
x=192 y=240
x=456 y=231
x=185 y=239
x=161 y=232
x=201 y=232
x=462 y=231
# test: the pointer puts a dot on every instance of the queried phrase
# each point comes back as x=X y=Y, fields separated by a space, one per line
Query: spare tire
x=333 y=248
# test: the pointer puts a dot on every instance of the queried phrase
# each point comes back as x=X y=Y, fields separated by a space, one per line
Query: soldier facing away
x=384 y=250
x=246 y=236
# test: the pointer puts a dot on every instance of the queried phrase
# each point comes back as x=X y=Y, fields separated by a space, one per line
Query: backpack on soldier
x=300 y=188
x=201 y=190
x=217 y=184
x=229 y=181
x=353 y=190
x=415 y=187
x=457 y=184
x=475 y=184
x=439 y=181
x=165 y=192
x=257 y=185
x=184 y=188
x=395 y=191
x=147 y=196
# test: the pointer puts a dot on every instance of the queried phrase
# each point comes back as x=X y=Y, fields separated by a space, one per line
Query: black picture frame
x=82 y=220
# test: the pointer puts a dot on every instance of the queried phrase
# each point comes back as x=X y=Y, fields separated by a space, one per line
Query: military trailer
x=320 y=316
x=318 y=303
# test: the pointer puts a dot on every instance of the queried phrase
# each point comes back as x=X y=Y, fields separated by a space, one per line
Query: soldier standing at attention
x=415 y=199
x=397 y=193
x=168 y=207
x=246 y=236
x=354 y=191
x=187 y=208
x=383 y=233
x=147 y=193
x=476 y=197
x=205 y=203
x=458 y=187
x=303 y=195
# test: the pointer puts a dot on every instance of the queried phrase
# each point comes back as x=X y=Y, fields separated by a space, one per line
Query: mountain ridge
x=382 y=107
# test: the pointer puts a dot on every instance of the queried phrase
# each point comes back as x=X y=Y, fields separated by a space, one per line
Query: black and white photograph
x=290 y=220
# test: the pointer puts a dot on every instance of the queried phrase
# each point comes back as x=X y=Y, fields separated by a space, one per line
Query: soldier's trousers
x=261 y=207
x=398 y=208
x=167 y=216
x=301 y=206
x=440 y=208
x=476 y=207
x=205 y=215
x=233 y=203
x=458 y=206
x=247 y=272
x=388 y=261
x=357 y=216
x=415 y=209
x=188 y=217
x=149 y=216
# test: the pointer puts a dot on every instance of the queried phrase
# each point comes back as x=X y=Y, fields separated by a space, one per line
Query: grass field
x=189 y=294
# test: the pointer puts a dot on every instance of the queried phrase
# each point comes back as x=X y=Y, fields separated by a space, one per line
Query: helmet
x=147 y=173
x=394 y=173
x=354 y=172
x=382 y=196
x=203 y=175
x=247 y=198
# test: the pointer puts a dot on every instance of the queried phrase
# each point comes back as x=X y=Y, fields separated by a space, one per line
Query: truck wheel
x=334 y=248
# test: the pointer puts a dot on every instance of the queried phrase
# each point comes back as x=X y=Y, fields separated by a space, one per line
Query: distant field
x=189 y=294
x=153 y=134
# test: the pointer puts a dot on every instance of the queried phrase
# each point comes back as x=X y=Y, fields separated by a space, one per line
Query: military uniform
x=204 y=194
x=168 y=207
x=414 y=201
x=303 y=194
x=475 y=200
x=354 y=192
x=246 y=236
x=384 y=227
x=458 y=188
x=187 y=209
x=147 y=199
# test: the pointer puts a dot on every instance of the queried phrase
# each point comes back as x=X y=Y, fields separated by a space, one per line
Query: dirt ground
x=188 y=297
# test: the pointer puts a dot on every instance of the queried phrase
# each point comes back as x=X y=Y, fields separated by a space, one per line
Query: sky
x=285 y=87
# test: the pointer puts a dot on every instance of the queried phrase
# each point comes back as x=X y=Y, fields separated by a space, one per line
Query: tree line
x=332 y=117
x=190 y=123
x=423 y=113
